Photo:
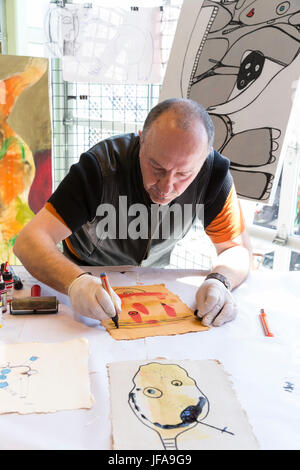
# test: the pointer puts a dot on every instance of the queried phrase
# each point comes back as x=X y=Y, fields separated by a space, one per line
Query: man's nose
x=166 y=184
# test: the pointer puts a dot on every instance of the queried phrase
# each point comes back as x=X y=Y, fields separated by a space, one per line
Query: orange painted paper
x=25 y=145
x=151 y=310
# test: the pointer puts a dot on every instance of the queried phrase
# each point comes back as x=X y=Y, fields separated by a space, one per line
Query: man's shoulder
x=220 y=162
x=220 y=178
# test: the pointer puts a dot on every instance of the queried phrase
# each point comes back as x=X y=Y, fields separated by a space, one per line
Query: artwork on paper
x=176 y=405
x=25 y=145
x=241 y=61
x=151 y=310
x=44 y=377
x=104 y=44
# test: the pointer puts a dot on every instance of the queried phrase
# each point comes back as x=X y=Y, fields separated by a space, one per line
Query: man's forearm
x=234 y=263
x=45 y=262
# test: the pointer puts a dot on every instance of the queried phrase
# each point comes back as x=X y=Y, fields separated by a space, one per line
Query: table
x=265 y=372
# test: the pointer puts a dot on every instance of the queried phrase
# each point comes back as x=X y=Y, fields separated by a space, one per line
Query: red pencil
x=264 y=323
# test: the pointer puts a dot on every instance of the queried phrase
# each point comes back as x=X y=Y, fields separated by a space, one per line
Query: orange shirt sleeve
x=53 y=211
x=229 y=223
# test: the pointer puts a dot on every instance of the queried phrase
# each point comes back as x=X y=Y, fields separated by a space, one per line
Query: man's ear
x=141 y=137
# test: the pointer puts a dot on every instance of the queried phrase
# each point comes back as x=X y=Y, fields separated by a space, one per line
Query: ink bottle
x=3 y=296
x=9 y=285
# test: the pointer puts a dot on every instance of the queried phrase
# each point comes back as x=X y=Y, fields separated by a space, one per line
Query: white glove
x=88 y=298
x=215 y=304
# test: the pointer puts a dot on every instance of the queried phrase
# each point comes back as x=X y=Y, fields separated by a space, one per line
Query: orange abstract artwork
x=25 y=145
x=151 y=310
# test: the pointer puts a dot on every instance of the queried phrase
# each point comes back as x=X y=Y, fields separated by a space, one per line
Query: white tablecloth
x=265 y=372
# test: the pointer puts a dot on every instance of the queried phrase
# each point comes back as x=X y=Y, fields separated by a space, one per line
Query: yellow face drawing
x=165 y=397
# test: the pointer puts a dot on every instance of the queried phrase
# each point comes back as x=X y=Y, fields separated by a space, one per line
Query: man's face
x=171 y=158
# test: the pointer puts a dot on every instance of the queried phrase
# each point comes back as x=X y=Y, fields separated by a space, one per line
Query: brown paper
x=152 y=310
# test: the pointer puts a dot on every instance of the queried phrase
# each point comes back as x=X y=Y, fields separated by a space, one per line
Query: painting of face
x=176 y=404
x=165 y=398
x=151 y=310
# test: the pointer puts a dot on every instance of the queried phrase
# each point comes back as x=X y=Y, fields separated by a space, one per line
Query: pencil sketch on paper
x=101 y=44
x=166 y=399
x=240 y=59
x=15 y=379
x=53 y=377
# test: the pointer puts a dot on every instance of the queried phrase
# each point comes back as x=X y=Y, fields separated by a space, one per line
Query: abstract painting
x=240 y=59
x=151 y=310
x=175 y=405
x=25 y=145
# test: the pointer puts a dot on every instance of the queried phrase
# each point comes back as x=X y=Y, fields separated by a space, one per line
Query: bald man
x=128 y=201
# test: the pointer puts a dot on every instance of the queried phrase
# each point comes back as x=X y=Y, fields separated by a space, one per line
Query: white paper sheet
x=264 y=371
x=105 y=44
x=185 y=404
x=44 y=377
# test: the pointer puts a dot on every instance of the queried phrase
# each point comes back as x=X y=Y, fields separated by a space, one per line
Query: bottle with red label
x=3 y=296
x=9 y=283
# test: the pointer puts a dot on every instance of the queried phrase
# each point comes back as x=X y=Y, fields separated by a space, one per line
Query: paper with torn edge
x=176 y=405
x=151 y=310
x=44 y=377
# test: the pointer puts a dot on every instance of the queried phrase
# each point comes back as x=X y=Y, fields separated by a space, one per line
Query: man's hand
x=88 y=298
x=215 y=304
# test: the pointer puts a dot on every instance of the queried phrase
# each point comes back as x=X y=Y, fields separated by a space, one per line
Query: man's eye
x=184 y=175
x=158 y=170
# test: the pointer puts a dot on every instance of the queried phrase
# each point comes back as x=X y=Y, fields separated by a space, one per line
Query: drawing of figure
x=242 y=73
x=15 y=379
x=166 y=399
x=106 y=44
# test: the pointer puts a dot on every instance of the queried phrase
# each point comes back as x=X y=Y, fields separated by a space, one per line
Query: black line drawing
x=15 y=379
x=113 y=45
x=288 y=386
x=243 y=72
x=168 y=401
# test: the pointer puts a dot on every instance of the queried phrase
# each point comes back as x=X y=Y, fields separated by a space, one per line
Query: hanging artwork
x=105 y=44
x=44 y=377
x=151 y=310
x=176 y=405
x=25 y=145
x=241 y=61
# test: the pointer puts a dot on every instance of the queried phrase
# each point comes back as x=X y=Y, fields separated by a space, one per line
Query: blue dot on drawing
x=3 y=384
x=33 y=358
x=5 y=371
x=3 y=377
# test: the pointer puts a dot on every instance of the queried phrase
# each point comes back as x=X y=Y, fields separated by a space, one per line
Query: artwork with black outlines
x=168 y=401
x=245 y=73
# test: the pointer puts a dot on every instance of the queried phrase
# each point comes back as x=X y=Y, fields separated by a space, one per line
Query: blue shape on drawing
x=33 y=358
x=3 y=384
x=3 y=377
x=5 y=371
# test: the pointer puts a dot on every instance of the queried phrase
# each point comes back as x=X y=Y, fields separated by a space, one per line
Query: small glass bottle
x=3 y=296
x=9 y=284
